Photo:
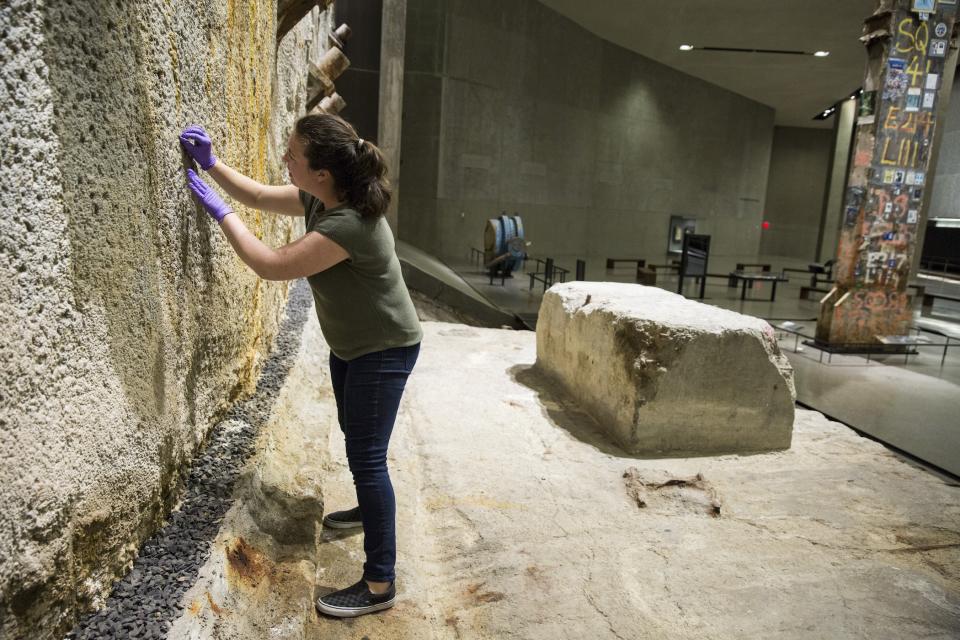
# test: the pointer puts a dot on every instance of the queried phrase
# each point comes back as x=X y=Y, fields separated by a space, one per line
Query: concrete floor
x=909 y=405
x=518 y=518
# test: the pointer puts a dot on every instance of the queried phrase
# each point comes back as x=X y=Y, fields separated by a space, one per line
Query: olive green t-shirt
x=362 y=302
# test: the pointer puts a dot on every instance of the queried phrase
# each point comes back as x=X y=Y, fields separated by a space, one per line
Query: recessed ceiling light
x=686 y=47
x=821 y=54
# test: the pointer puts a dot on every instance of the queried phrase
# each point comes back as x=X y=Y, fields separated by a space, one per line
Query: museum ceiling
x=797 y=86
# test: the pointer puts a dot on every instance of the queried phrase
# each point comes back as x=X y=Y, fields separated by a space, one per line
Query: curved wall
x=129 y=324
x=510 y=106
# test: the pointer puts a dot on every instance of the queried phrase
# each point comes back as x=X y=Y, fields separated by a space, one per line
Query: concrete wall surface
x=510 y=106
x=798 y=178
x=129 y=322
x=945 y=201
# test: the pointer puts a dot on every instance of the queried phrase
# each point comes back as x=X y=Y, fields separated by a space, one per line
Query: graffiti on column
x=890 y=165
x=889 y=171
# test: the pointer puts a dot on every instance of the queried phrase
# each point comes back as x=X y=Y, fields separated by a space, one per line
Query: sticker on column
x=899 y=175
x=914 y=97
x=938 y=48
x=888 y=175
x=917 y=194
x=888 y=208
x=888 y=236
x=924 y=6
x=868 y=106
x=933 y=80
x=921 y=178
x=929 y=98
x=912 y=216
x=911 y=177
x=897 y=79
x=850 y=218
x=940 y=30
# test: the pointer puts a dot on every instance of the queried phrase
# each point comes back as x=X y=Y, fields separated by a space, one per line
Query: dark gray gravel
x=145 y=602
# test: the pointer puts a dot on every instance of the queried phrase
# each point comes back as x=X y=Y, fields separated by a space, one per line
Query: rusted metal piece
x=290 y=12
x=332 y=104
x=339 y=37
x=318 y=86
x=245 y=564
x=333 y=63
x=320 y=82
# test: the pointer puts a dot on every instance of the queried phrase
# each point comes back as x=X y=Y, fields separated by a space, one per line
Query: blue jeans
x=368 y=391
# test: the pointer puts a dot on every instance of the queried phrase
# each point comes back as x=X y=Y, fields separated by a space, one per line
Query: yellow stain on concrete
x=249 y=57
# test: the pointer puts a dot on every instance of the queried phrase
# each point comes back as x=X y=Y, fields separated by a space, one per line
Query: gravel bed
x=145 y=602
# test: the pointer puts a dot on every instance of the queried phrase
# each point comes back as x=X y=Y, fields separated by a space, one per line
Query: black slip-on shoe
x=356 y=601
x=343 y=519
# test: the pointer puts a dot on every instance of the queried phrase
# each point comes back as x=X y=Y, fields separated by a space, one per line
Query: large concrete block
x=666 y=376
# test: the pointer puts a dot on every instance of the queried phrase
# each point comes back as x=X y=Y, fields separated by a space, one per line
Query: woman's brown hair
x=357 y=166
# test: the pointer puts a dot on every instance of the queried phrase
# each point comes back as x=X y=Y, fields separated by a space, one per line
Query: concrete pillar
x=887 y=182
x=836 y=181
x=392 y=42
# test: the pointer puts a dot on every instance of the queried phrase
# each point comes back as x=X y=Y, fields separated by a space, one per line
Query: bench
x=647 y=276
x=612 y=262
x=926 y=307
x=818 y=272
x=750 y=278
x=742 y=268
x=674 y=266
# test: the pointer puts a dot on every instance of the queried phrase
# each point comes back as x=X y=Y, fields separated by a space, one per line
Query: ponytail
x=358 y=168
x=371 y=190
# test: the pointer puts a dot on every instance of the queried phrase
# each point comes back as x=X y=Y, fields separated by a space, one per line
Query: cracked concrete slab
x=515 y=520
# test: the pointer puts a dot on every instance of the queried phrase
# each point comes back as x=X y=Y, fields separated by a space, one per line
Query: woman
x=365 y=311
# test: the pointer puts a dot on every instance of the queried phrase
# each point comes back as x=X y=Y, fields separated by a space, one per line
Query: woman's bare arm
x=284 y=199
x=303 y=257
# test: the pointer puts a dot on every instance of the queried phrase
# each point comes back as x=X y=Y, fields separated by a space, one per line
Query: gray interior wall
x=798 y=177
x=945 y=202
x=509 y=106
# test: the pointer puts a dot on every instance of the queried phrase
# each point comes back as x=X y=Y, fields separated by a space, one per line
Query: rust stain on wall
x=213 y=605
x=246 y=565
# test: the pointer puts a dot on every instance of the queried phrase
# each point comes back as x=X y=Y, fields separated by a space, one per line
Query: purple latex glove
x=211 y=201
x=197 y=144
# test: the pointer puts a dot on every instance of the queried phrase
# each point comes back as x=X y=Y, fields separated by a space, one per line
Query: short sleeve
x=344 y=228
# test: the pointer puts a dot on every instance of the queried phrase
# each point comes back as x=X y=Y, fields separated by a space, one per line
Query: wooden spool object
x=493 y=244
x=318 y=86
